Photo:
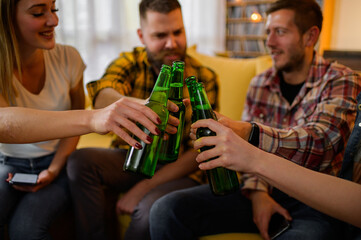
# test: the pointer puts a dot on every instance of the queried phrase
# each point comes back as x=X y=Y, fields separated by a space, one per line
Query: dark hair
x=160 y=6
x=307 y=12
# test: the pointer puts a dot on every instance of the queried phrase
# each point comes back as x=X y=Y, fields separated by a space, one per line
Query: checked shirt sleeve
x=315 y=132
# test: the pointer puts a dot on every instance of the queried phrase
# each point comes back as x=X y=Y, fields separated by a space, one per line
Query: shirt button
x=284 y=120
x=359 y=124
x=359 y=107
x=261 y=115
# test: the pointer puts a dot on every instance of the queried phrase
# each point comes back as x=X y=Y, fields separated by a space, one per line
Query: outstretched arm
x=333 y=196
x=24 y=125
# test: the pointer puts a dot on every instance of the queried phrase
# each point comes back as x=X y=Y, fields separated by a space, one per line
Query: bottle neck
x=161 y=88
x=202 y=109
x=176 y=85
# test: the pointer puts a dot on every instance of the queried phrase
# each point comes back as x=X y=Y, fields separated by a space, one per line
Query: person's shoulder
x=64 y=52
x=330 y=69
x=138 y=54
x=340 y=69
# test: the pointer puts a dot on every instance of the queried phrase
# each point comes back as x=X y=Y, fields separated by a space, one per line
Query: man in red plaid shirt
x=301 y=109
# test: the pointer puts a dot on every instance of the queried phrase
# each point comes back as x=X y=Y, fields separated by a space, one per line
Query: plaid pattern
x=132 y=75
x=314 y=129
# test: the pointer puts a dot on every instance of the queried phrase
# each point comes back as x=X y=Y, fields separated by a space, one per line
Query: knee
x=165 y=209
x=78 y=162
x=27 y=231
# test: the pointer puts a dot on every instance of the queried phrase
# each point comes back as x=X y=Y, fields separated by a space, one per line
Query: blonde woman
x=39 y=82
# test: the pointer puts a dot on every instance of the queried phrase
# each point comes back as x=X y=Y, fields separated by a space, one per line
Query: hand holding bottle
x=230 y=150
x=123 y=115
x=173 y=122
x=143 y=160
x=241 y=128
x=221 y=180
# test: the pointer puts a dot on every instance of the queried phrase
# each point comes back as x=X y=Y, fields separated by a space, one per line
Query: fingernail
x=149 y=139
x=158 y=131
x=159 y=121
x=138 y=146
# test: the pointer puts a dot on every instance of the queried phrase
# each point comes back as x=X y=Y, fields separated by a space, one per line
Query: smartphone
x=278 y=224
x=24 y=179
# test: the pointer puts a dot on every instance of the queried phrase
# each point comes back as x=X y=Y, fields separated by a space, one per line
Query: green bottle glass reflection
x=222 y=181
x=144 y=161
x=169 y=150
x=191 y=83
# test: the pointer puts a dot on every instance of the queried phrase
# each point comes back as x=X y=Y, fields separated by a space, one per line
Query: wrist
x=254 y=135
x=253 y=194
x=146 y=184
x=53 y=172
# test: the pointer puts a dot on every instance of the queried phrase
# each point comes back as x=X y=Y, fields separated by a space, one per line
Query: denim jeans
x=29 y=215
x=190 y=213
x=352 y=159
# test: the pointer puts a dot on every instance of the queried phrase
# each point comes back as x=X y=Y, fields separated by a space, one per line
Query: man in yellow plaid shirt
x=133 y=74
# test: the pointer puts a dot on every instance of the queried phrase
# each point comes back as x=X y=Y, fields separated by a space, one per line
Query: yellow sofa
x=234 y=76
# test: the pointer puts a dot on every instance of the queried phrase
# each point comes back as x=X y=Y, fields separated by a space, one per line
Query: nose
x=52 y=20
x=171 y=42
x=270 y=41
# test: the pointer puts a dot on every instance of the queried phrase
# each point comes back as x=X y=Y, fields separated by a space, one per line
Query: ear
x=140 y=35
x=310 y=37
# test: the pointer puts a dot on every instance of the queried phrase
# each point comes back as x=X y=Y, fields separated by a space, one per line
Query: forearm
x=333 y=196
x=24 y=125
x=65 y=148
x=106 y=97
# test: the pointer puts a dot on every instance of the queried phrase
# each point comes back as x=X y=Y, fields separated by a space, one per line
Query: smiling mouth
x=47 y=34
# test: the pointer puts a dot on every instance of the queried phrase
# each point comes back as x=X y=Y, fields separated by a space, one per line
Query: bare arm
x=333 y=196
x=68 y=145
x=24 y=125
x=65 y=148
x=108 y=96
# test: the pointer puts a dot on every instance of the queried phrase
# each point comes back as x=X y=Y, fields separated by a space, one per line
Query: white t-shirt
x=64 y=69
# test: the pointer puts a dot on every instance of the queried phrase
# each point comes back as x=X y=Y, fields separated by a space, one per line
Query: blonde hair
x=9 y=49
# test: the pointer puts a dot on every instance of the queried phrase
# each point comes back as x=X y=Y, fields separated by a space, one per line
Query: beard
x=158 y=59
x=295 y=62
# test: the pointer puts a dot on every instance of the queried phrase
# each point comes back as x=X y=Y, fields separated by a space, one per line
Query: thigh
x=9 y=196
x=105 y=166
x=356 y=234
x=139 y=226
x=35 y=211
x=162 y=190
x=205 y=214
x=311 y=224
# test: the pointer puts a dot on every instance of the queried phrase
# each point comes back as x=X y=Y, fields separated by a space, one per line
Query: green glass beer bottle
x=191 y=82
x=170 y=148
x=144 y=161
x=222 y=181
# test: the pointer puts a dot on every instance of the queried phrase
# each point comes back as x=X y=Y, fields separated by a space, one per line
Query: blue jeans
x=190 y=213
x=29 y=215
x=352 y=157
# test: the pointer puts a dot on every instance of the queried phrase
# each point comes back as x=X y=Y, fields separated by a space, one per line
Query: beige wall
x=346 y=29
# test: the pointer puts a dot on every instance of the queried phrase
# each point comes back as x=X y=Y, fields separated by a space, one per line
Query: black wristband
x=254 y=136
